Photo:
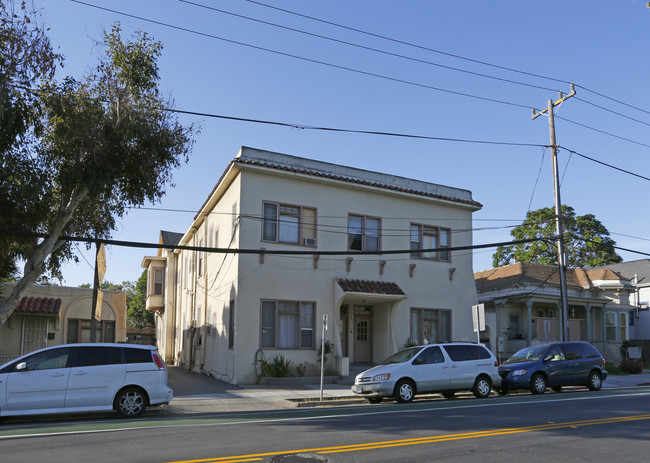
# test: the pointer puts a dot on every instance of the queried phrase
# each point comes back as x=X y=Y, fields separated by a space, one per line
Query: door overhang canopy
x=368 y=291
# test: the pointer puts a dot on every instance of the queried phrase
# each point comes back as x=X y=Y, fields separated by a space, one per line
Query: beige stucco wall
x=75 y=303
x=202 y=316
x=294 y=278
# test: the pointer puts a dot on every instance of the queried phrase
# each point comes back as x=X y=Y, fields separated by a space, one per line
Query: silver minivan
x=84 y=377
x=445 y=368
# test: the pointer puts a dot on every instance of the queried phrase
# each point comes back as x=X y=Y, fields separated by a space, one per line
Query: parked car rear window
x=579 y=350
x=88 y=356
x=461 y=353
x=137 y=355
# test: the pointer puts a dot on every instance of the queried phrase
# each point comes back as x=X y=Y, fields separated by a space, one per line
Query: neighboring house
x=50 y=315
x=638 y=272
x=523 y=307
x=222 y=312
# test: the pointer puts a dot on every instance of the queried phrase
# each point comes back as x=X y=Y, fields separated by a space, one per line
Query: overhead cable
x=310 y=60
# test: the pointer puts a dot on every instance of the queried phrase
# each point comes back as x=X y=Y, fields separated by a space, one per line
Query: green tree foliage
x=26 y=59
x=587 y=242
x=137 y=311
x=101 y=145
x=136 y=297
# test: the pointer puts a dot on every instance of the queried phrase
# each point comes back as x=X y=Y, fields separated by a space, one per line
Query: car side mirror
x=548 y=358
x=22 y=366
x=418 y=361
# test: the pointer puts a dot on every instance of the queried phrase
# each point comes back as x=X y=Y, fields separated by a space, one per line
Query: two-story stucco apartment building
x=221 y=311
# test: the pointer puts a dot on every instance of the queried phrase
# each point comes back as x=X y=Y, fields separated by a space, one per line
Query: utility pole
x=561 y=256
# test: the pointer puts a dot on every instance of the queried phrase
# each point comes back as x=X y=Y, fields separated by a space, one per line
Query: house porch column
x=529 y=311
x=588 y=310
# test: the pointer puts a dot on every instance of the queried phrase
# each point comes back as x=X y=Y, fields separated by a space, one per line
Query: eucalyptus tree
x=100 y=145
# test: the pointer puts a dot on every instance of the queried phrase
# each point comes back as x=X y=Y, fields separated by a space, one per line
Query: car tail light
x=496 y=363
x=602 y=361
x=158 y=361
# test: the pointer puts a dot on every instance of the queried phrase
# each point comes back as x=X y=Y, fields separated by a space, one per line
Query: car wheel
x=595 y=381
x=130 y=402
x=404 y=391
x=538 y=384
x=557 y=388
x=482 y=387
x=373 y=400
x=448 y=395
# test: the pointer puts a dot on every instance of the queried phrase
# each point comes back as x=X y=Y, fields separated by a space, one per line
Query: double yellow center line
x=421 y=440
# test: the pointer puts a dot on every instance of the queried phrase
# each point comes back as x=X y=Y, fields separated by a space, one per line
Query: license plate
x=357 y=389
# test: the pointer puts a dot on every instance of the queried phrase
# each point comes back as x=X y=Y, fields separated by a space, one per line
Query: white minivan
x=84 y=377
x=445 y=368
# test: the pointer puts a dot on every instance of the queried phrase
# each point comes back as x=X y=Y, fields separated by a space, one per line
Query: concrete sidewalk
x=195 y=393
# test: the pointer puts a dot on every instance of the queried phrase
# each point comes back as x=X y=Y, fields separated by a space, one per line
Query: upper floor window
x=158 y=282
x=200 y=263
x=363 y=233
x=285 y=223
x=430 y=237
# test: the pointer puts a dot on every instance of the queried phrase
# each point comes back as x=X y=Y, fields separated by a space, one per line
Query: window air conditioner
x=310 y=241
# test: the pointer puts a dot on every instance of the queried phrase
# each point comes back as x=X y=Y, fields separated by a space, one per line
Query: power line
x=421 y=47
x=367 y=73
x=614 y=99
x=145 y=245
x=376 y=50
x=303 y=58
x=603 y=132
x=484 y=63
x=363 y=132
x=605 y=164
x=613 y=112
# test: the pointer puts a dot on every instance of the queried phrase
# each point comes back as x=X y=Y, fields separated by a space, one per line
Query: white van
x=73 y=378
x=445 y=368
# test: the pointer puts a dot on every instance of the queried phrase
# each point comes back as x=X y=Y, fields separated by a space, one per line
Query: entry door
x=362 y=334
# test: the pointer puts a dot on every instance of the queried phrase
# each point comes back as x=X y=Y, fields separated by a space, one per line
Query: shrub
x=409 y=343
x=631 y=366
x=329 y=348
x=278 y=367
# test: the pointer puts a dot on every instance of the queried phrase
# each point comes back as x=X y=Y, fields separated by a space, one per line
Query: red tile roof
x=39 y=305
x=370 y=287
x=343 y=178
x=331 y=176
x=524 y=272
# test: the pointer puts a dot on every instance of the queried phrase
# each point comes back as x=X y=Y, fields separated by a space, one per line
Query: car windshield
x=402 y=356
x=528 y=354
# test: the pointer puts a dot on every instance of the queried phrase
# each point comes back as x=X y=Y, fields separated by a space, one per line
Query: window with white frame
x=363 y=233
x=287 y=325
x=157 y=282
x=610 y=326
x=623 y=326
x=430 y=325
x=430 y=237
x=284 y=223
x=200 y=260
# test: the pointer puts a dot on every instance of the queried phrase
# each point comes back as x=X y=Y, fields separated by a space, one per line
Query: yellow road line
x=422 y=440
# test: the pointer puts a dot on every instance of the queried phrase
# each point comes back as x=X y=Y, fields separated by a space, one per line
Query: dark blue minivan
x=553 y=365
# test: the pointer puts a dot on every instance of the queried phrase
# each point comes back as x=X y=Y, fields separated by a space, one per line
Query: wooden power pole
x=561 y=256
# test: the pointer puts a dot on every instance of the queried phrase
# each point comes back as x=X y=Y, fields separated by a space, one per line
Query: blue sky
x=233 y=66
